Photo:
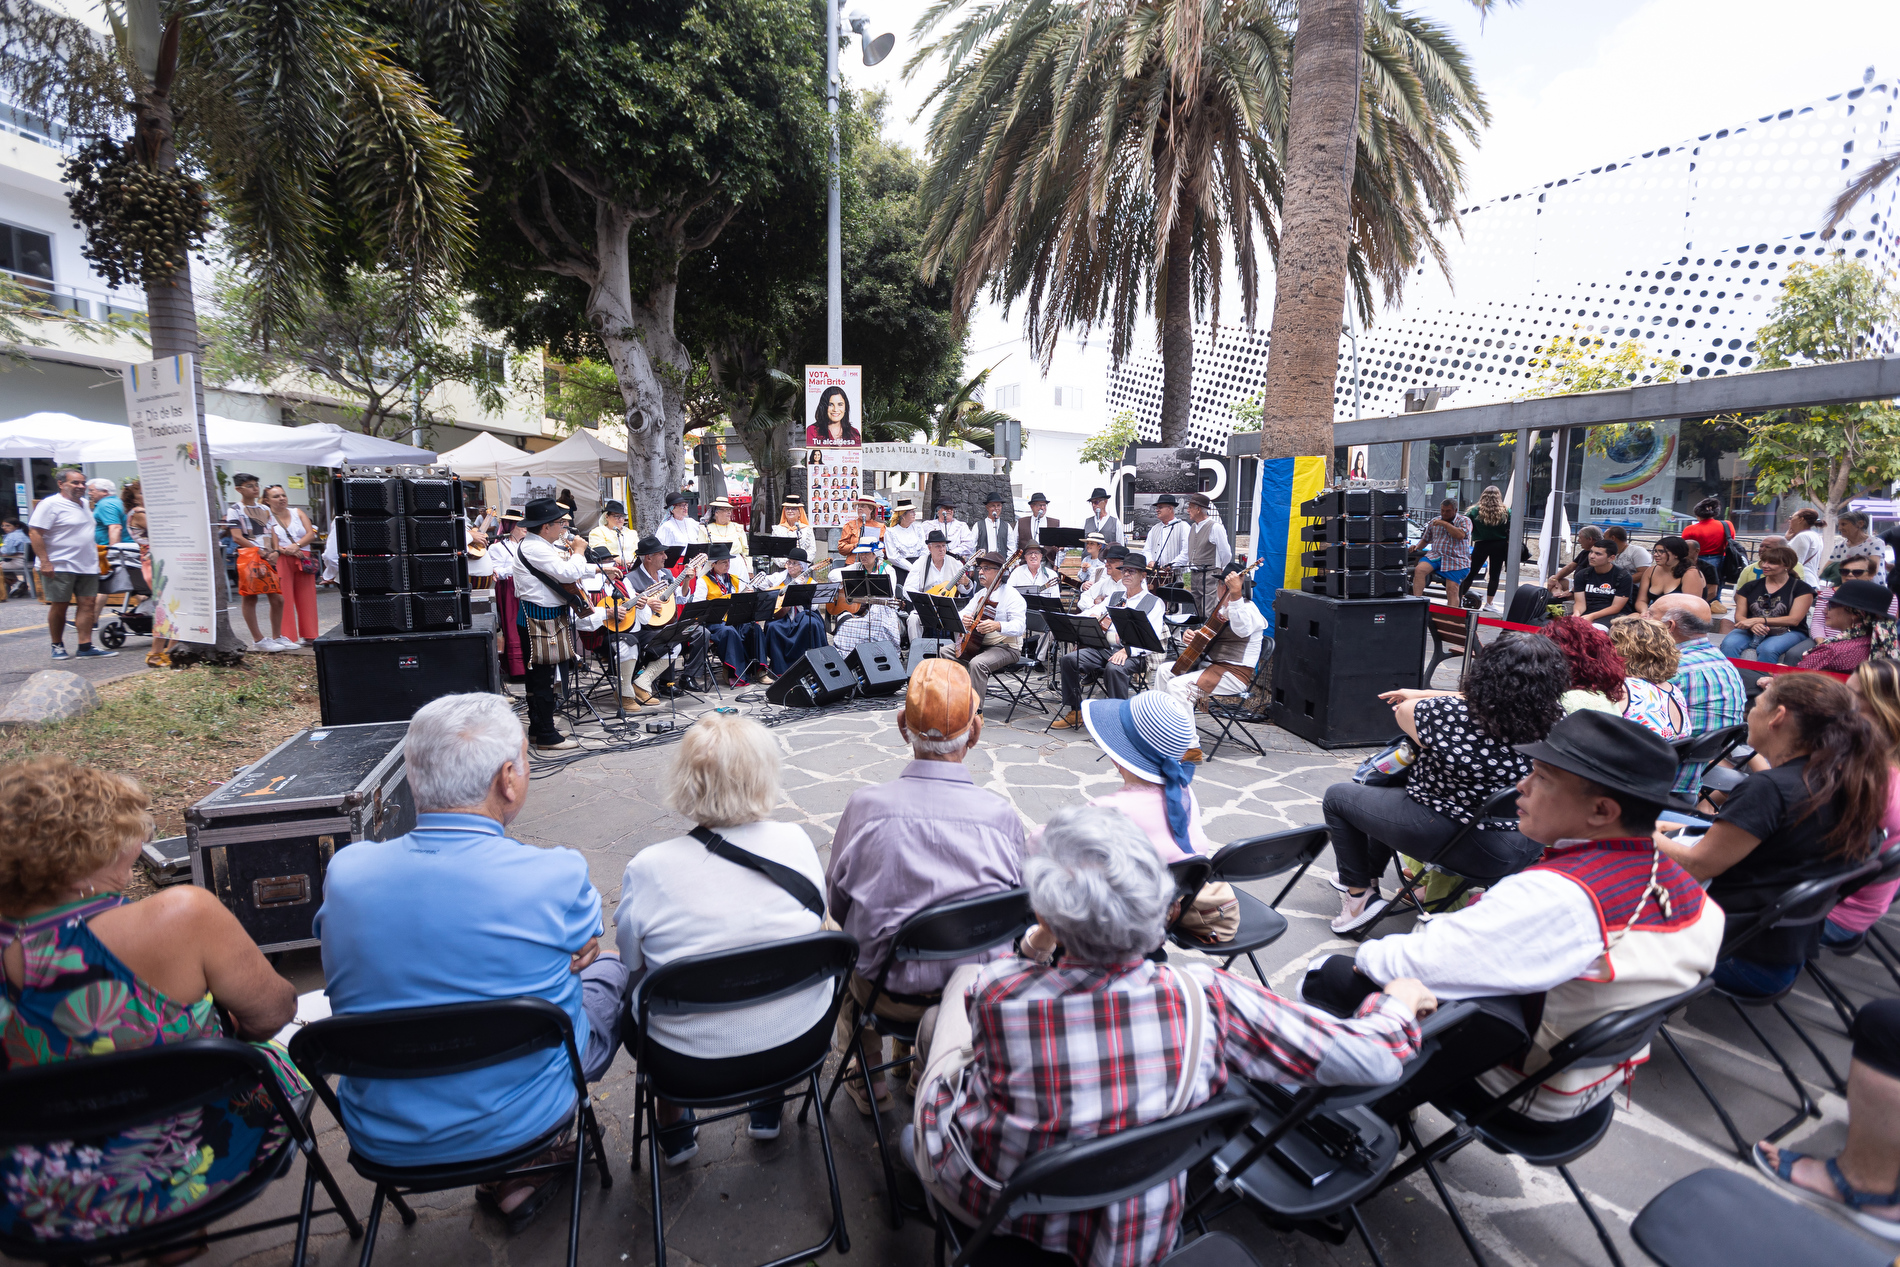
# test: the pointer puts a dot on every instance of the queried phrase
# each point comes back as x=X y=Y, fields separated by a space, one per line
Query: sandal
x=541 y=1190
x=1850 y=1201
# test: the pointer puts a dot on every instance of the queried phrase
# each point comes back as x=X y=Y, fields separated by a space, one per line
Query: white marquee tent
x=576 y=464
x=65 y=438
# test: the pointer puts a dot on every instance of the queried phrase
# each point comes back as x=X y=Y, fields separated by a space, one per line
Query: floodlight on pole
x=875 y=49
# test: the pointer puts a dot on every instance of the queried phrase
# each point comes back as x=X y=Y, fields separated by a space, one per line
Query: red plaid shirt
x=1073 y=1052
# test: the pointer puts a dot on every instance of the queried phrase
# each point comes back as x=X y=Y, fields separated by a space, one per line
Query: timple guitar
x=972 y=640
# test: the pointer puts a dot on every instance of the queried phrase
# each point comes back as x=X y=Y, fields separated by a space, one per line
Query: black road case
x=263 y=841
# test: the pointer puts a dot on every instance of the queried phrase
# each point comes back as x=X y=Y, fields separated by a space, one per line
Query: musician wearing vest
x=1226 y=664
x=1101 y=521
x=785 y=637
x=999 y=639
x=936 y=573
x=995 y=535
x=543 y=570
x=1029 y=527
x=1208 y=551
x=1167 y=542
x=648 y=656
x=612 y=534
x=1115 y=668
x=961 y=536
x=1601 y=923
x=679 y=528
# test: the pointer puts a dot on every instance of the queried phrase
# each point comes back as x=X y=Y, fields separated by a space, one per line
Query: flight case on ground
x=263 y=841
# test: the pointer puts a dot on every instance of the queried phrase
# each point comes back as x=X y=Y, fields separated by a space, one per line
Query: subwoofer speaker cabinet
x=820 y=676
x=1332 y=658
x=879 y=667
x=387 y=677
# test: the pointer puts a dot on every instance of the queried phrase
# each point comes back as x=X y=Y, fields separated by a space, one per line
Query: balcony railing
x=81 y=301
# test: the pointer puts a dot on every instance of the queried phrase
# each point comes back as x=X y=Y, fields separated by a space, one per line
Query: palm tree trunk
x=1177 y=331
x=1309 y=295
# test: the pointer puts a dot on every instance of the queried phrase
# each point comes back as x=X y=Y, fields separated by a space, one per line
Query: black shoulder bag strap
x=557 y=588
x=791 y=881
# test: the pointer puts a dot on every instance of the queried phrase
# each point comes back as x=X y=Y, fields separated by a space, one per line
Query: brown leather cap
x=940 y=701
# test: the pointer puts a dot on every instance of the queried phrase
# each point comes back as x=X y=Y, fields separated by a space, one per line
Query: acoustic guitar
x=972 y=640
x=1197 y=643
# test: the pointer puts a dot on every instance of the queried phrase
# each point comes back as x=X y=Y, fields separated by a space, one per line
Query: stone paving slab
x=742 y=1201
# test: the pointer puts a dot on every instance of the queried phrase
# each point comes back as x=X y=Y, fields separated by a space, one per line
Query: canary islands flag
x=1284 y=484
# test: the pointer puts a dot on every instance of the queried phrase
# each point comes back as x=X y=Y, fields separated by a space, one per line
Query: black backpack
x=1734 y=559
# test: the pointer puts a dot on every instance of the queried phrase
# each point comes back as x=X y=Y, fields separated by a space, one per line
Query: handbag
x=256 y=575
x=1733 y=558
x=1391 y=766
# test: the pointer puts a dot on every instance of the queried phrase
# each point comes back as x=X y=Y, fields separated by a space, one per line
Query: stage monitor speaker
x=1332 y=658
x=365 y=678
x=820 y=676
x=431 y=535
x=1313 y=584
x=879 y=667
x=367 y=496
x=434 y=496
x=371 y=535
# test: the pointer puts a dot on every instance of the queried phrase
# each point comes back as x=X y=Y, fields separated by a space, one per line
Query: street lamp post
x=875 y=50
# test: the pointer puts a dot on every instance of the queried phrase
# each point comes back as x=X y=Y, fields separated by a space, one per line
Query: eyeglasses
x=1856 y=573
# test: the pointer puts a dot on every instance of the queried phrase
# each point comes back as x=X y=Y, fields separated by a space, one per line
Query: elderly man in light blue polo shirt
x=456 y=911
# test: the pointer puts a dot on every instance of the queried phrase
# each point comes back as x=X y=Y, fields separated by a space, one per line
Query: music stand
x=770 y=546
x=673 y=556
x=1043 y=603
x=1077 y=631
x=1174 y=596
x=824 y=592
x=744 y=607
x=863 y=585
x=1063 y=538
x=939 y=615
x=799 y=594
x=1135 y=631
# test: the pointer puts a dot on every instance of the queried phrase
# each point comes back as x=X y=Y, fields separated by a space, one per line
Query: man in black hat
x=1029 y=527
x=962 y=536
x=1601 y=923
x=680 y=528
x=1101 y=521
x=611 y=534
x=1208 y=551
x=1167 y=542
x=999 y=639
x=993 y=534
x=935 y=571
x=543 y=568
x=1116 y=668
x=651 y=652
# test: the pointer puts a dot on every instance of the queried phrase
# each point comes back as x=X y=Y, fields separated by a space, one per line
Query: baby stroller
x=126 y=579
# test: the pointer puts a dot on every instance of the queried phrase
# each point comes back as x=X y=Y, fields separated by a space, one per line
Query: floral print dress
x=76 y=999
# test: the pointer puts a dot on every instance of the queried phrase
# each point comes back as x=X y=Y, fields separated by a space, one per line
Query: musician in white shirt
x=1230 y=663
x=993 y=534
x=1093 y=600
x=505 y=547
x=936 y=569
x=793 y=523
x=962 y=537
x=1167 y=541
x=540 y=607
x=904 y=539
x=877 y=618
x=999 y=634
x=1032 y=576
x=679 y=528
x=612 y=534
x=643 y=656
x=1092 y=565
x=1113 y=533
x=1116 y=668
x=1029 y=527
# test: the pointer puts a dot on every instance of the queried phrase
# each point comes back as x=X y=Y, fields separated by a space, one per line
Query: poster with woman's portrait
x=834 y=395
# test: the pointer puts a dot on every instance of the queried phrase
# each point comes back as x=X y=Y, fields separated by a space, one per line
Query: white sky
x=1573 y=84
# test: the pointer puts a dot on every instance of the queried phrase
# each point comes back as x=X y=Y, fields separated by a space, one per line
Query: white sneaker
x=267 y=645
x=1356 y=911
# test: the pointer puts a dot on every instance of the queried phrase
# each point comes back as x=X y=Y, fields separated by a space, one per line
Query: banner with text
x=834 y=398
x=162 y=407
x=1633 y=479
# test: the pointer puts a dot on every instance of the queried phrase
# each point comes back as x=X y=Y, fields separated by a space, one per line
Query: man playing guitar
x=936 y=573
x=997 y=615
x=657 y=592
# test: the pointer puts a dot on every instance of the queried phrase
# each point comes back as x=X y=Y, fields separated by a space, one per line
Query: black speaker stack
x=1332 y=658
x=1356 y=540
x=401 y=553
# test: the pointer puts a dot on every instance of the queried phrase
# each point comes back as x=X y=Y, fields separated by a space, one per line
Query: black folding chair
x=1258 y=858
x=1090 y=1174
x=950 y=930
x=706 y=984
x=432 y=1042
x=81 y=1101
x=1716 y=1218
x=1889 y=859
x=1011 y=682
x=1231 y=716
x=1707 y=749
x=1214 y=1249
x=1501 y=804
x=1803 y=905
x=1491 y=1120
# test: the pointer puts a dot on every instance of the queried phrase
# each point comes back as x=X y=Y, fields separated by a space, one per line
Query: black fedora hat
x=1134 y=563
x=1166 y=499
x=1613 y=752
x=1038 y=497
x=798 y=553
x=936 y=538
x=989 y=558
x=614 y=508
x=1099 y=495
x=543 y=511
x=678 y=499
x=719 y=550
x=649 y=545
x=1863 y=596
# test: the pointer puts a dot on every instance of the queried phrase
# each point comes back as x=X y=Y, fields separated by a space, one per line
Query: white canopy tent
x=65 y=438
x=576 y=464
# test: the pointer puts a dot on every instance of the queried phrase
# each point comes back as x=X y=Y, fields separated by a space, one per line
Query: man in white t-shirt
x=61 y=527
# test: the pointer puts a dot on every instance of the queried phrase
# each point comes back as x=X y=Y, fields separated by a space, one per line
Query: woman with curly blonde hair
x=1651 y=697
x=88 y=972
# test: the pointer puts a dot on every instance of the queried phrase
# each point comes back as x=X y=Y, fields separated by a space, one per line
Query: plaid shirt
x=1716 y=697
x=1073 y=1052
x=1453 y=555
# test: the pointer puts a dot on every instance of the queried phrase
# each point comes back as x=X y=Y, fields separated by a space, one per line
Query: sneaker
x=854 y=1087
x=564 y=744
x=59 y=652
x=267 y=645
x=1358 y=911
x=764 y=1123
x=90 y=652
x=680 y=1141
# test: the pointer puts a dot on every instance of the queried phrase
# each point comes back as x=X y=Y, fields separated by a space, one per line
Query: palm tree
x=1094 y=159
x=963 y=419
x=318 y=148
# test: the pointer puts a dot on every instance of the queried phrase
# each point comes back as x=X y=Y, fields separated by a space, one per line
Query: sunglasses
x=1856 y=573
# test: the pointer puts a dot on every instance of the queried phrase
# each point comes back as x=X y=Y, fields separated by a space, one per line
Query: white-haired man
x=456 y=911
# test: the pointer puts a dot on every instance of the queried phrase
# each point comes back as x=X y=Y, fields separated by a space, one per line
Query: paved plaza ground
x=742 y=1202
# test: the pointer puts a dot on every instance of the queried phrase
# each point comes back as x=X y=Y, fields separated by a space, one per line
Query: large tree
x=631 y=138
x=1097 y=159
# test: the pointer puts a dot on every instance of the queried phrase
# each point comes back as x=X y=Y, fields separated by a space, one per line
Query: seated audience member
x=1466 y=755
x=1096 y=1043
x=927 y=837
x=1753 y=571
x=1652 y=697
x=1865 y=1178
x=1601 y=590
x=691 y=895
x=1710 y=686
x=1601 y=923
x=1629 y=556
x=1876 y=688
x=1813 y=811
x=1148 y=739
x=89 y=971
x=1598 y=675
x=454 y=912
x=1672 y=571
x=1857 y=623
x=1864 y=562
x=1560 y=583
x=1771 y=612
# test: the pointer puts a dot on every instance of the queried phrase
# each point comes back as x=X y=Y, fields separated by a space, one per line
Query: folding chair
x=937 y=934
x=431 y=1042
x=1806 y=903
x=1258 y=858
x=1090 y=1174
x=1500 y=804
x=1214 y=1249
x=1706 y=750
x=1717 y=1218
x=82 y=1101
x=1228 y=712
x=1889 y=859
x=1011 y=682
x=1489 y=1119
x=721 y=983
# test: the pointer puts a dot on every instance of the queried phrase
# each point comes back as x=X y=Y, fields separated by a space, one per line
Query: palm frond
x=1874 y=175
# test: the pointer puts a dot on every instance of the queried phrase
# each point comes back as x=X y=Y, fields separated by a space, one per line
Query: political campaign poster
x=1633 y=478
x=161 y=404
x=834 y=398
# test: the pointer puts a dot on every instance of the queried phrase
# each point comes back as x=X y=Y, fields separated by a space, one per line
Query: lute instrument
x=972 y=640
x=1197 y=643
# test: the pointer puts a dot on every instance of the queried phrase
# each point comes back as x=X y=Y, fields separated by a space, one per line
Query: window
x=491 y=363
x=1010 y=397
x=24 y=252
x=1068 y=398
